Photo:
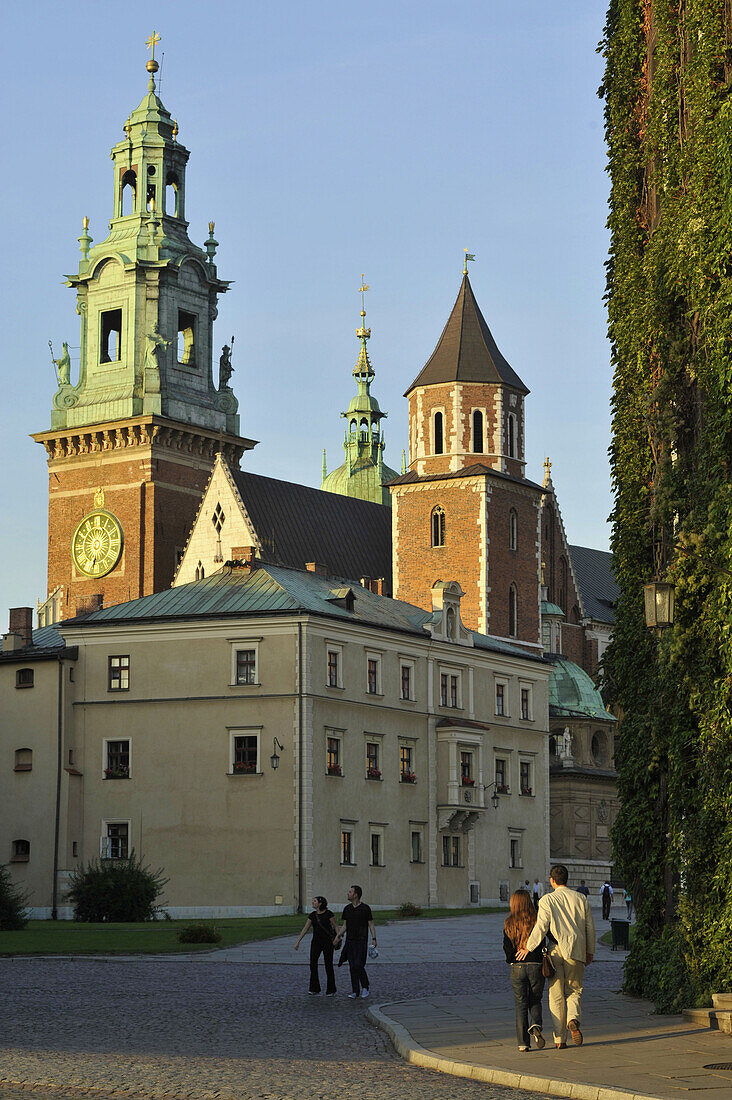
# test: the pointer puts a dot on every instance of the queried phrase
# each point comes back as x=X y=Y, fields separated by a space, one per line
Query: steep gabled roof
x=296 y=524
x=598 y=587
x=466 y=351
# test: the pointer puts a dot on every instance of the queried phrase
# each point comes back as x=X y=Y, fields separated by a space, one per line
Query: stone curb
x=410 y=1051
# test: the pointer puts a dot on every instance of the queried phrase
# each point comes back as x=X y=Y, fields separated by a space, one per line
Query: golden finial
x=469 y=256
x=85 y=222
x=547 y=471
x=152 y=65
x=175 y=129
x=128 y=127
x=211 y=227
x=363 y=332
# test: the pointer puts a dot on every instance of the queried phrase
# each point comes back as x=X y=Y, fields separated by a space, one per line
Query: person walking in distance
x=527 y=980
x=358 y=920
x=607 y=900
x=582 y=889
x=325 y=929
x=537 y=892
x=566 y=914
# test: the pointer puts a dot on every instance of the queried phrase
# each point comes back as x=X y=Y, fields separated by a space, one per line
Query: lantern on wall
x=659 y=605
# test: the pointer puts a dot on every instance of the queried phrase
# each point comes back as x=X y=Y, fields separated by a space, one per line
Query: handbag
x=547 y=966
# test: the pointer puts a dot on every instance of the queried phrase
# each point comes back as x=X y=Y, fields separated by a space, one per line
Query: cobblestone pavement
x=162 y=1028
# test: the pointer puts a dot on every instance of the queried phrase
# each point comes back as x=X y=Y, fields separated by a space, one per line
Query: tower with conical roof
x=464 y=509
x=363 y=474
x=136 y=425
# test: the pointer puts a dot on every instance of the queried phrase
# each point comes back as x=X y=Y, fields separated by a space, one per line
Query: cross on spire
x=363 y=332
x=151 y=42
x=469 y=256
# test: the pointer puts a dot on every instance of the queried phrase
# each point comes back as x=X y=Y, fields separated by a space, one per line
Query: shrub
x=409 y=909
x=12 y=904
x=199 y=933
x=116 y=890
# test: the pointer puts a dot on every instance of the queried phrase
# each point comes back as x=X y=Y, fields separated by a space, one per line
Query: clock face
x=97 y=544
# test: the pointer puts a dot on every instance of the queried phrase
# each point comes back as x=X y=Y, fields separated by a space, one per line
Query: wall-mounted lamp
x=659 y=605
x=494 y=797
x=274 y=758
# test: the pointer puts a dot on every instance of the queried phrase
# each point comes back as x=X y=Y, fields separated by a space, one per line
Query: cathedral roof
x=466 y=351
x=598 y=587
x=478 y=469
x=572 y=694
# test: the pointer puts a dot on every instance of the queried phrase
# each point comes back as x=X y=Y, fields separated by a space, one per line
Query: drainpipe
x=59 y=766
x=300 y=704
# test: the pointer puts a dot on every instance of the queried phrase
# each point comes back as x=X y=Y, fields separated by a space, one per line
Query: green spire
x=363 y=473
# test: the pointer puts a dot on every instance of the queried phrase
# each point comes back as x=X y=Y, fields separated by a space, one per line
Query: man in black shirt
x=357 y=921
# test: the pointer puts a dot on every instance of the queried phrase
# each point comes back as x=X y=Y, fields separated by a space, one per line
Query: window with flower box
x=117 y=759
x=118 y=673
x=501 y=775
x=525 y=777
x=244 y=752
x=406 y=764
x=451 y=851
x=333 y=764
x=373 y=771
x=466 y=769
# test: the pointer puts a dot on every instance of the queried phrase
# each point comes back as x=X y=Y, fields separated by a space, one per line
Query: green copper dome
x=572 y=693
x=363 y=474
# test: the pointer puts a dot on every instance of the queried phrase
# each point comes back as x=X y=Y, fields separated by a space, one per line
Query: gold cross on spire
x=363 y=331
x=547 y=468
x=468 y=256
x=151 y=43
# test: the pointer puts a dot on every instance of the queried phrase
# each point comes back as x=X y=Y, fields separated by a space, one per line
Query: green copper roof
x=572 y=693
x=550 y=609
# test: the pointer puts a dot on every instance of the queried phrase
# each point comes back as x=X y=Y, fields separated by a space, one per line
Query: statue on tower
x=225 y=368
x=62 y=365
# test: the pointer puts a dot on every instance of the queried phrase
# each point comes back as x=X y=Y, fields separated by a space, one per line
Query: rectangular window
x=372 y=675
x=453 y=691
x=117 y=841
x=75 y=848
x=449 y=690
x=525 y=776
x=21 y=851
x=466 y=769
x=451 y=851
x=118 y=760
x=406 y=764
x=246 y=753
x=515 y=858
x=246 y=666
x=443 y=689
x=377 y=852
x=526 y=703
x=416 y=846
x=333 y=756
x=186 y=343
x=346 y=846
x=406 y=681
x=110 y=336
x=372 y=760
x=24 y=678
x=119 y=674
x=501 y=777
x=333 y=669
x=501 y=699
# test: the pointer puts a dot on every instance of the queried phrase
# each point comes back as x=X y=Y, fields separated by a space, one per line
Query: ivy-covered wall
x=668 y=108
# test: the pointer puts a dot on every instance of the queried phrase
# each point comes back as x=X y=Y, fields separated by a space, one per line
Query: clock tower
x=135 y=433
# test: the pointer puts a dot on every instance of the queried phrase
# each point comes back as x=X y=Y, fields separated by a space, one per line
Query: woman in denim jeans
x=527 y=979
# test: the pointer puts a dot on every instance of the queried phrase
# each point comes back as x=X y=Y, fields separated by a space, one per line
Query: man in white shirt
x=538 y=892
x=566 y=914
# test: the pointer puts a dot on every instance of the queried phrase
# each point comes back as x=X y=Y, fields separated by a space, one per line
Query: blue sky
x=326 y=140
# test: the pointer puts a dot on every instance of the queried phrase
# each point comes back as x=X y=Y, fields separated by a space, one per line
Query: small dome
x=364 y=403
x=572 y=693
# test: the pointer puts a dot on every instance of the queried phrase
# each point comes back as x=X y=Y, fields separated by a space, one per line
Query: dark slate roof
x=478 y=469
x=598 y=590
x=466 y=351
x=47 y=642
x=272 y=590
x=297 y=524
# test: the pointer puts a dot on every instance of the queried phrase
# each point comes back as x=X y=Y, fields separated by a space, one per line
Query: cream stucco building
x=267 y=733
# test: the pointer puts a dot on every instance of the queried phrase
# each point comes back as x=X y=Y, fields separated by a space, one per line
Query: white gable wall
x=237 y=530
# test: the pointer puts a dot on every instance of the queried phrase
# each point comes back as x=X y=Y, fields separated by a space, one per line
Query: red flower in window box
x=468 y=781
x=526 y=790
x=244 y=769
x=502 y=789
x=409 y=777
x=373 y=773
x=123 y=772
x=335 y=769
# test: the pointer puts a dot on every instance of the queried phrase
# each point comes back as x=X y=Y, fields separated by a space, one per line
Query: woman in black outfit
x=324 y=927
x=527 y=979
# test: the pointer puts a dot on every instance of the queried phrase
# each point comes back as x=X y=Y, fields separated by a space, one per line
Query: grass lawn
x=47 y=937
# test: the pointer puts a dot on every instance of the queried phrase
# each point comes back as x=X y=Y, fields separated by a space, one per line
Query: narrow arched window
x=451 y=623
x=129 y=192
x=511 y=434
x=171 y=195
x=364 y=430
x=562 y=601
x=512 y=530
x=438 y=527
x=439 y=442
x=478 y=432
x=353 y=427
x=512 y=612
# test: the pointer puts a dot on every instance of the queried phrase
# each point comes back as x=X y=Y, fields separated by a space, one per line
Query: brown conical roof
x=466 y=351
